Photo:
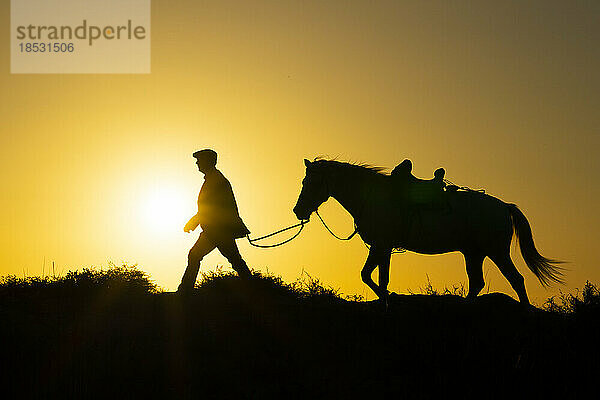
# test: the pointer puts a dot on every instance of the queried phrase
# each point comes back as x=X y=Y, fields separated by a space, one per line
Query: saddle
x=419 y=192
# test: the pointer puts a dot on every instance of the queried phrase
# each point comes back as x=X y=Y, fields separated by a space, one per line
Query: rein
x=396 y=250
x=333 y=234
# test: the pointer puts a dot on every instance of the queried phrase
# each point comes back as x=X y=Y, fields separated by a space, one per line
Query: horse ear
x=307 y=163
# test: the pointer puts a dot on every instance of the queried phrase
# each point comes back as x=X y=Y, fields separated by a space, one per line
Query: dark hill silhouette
x=113 y=334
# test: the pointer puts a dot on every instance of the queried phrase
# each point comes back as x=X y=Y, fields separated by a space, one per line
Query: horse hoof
x=384 y=301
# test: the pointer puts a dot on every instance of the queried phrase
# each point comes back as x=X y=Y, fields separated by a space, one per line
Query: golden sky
x=503 y=95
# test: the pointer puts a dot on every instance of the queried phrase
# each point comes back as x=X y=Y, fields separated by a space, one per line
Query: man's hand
x=191 y=224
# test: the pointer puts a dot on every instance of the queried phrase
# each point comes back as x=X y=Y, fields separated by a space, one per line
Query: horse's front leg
x=384 y=270
x=377 y=257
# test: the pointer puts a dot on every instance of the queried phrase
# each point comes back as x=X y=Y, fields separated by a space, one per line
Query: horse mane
x=364 y=168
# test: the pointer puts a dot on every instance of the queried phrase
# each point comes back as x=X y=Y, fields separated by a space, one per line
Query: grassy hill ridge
x=114 y=333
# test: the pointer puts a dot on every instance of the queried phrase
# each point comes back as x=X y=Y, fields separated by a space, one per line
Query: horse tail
x=543 y=268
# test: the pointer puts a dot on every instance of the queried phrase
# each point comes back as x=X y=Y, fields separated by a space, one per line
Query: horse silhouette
x=476 y=224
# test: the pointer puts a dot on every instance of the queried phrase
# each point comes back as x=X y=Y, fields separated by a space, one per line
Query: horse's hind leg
x=474 y=264
x=508 y=269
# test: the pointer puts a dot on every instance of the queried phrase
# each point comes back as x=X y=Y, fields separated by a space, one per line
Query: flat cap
x=206 y=154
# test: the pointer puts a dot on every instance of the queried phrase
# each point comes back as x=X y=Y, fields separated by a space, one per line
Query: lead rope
x=262 y=246
x=301 y=225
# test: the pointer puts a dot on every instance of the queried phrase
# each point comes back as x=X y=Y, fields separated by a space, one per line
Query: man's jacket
x=217 y=210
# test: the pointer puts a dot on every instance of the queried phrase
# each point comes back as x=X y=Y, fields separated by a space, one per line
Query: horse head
x=314 y=191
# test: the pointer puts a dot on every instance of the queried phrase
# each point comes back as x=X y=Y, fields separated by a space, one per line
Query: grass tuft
x=116 y=278
x=584 y=300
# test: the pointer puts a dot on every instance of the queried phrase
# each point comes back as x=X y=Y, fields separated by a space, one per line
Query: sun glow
x=164 y=210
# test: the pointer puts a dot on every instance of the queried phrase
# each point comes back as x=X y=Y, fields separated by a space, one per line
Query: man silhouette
x=218 y=216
